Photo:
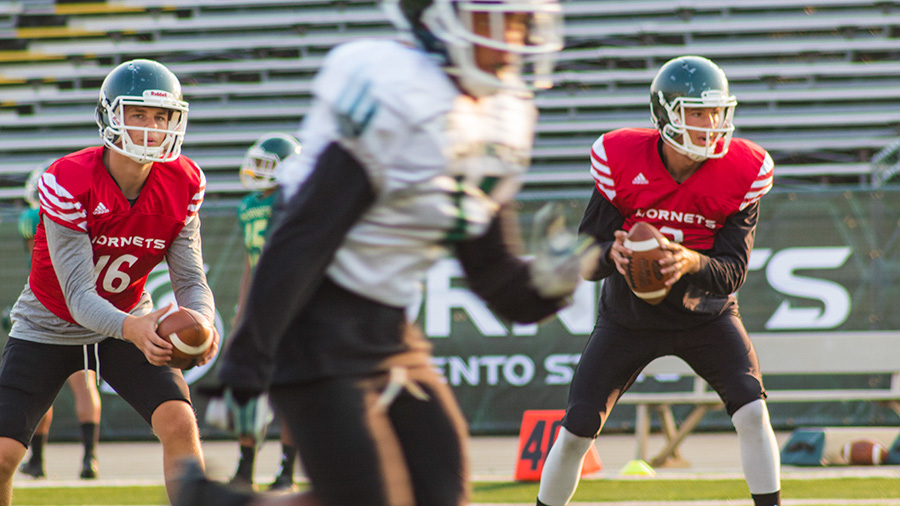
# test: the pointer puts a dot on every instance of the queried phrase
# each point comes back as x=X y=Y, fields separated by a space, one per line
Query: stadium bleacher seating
x=817 y=80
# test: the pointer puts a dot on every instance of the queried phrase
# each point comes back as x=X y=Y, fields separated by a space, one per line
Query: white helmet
x=264 y=158
x=146 y=83
x=445 y=29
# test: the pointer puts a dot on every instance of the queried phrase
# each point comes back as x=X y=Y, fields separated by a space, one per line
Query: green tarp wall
x=824 y=260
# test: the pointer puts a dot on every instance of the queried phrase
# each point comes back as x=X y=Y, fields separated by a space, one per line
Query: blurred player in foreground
x=83 y=383
x=110 y=214
x=410 y=152
x=701 y=188
x=258 y=172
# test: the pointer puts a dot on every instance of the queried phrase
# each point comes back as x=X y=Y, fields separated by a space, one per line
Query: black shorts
x=354 y=453
x=719 y=351
x=32 y=374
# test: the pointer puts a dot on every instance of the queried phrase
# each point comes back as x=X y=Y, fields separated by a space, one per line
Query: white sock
x=759 y=449
x=562 y=469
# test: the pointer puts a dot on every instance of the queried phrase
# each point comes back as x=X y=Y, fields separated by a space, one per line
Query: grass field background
x=832 y=491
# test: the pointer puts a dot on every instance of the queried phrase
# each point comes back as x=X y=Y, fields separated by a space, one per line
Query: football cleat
x=89 y=468
x=33 y=469
x=284 y=482
x=195 y=489
x=242 y=483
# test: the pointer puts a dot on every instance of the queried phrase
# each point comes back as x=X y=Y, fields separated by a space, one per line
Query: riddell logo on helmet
x=157 y=93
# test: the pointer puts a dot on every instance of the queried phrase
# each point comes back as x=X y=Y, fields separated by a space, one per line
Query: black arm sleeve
x=723 y=268
x=501 y=278
x=601 y=220
x=308 y=229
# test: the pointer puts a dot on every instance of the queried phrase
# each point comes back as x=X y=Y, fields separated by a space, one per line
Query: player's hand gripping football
x=141 y=330
x=683 y=260
x=245 y=414
x=561 y=258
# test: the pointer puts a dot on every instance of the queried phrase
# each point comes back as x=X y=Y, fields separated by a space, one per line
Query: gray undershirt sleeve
x=73 y=261
x=185 y=260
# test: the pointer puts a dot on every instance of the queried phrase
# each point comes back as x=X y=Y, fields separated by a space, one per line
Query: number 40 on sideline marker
x=536 y=436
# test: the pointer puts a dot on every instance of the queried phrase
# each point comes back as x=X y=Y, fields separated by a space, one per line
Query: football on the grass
x=864 y=452
x=190 y=334
x=643 y=272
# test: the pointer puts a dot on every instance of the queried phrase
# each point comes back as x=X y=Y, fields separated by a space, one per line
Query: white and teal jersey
x=440 y=162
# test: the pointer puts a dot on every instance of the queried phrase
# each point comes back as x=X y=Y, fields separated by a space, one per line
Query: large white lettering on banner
x=441 y=297
x=781 y=273
x=781 y=269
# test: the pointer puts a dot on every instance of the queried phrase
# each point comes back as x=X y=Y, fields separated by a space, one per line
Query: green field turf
x=598 y=491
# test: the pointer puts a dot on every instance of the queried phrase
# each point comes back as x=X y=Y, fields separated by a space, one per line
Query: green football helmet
x=692 y=82
x=264 y=159
x=143 y=83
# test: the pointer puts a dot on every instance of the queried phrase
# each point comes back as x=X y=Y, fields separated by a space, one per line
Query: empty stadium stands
x=817 y=80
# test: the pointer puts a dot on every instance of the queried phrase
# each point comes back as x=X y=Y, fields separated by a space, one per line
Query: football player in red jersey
x=109 y=214
x=701 y=188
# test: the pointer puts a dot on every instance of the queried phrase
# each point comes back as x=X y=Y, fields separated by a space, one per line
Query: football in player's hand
x=643 y=272
x=190 y=334
x=864 y=452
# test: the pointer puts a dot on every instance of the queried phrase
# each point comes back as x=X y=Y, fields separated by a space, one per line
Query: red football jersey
x=628 y=171
x=79 y=193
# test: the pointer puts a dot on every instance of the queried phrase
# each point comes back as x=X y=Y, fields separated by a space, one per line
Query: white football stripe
x=645 y=245
x=651 y=295
x=188 y=349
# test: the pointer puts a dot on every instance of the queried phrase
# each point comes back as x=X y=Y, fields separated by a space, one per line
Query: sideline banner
x=823 y=260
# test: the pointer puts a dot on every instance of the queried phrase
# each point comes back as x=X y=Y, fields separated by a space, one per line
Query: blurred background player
x=109 y=215
x=701 y=188
x=258 y=172
x=83 y=383
x=410 y=153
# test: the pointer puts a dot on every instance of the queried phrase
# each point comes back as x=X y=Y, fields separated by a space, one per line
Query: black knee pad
x=582 y=420
x=739 y=395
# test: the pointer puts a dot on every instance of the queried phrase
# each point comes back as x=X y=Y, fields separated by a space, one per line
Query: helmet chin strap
x=682 y=151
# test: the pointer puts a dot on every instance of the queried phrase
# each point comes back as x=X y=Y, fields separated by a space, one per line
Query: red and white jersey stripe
x=197 y=198
x=58 y=203
x=600 y=170
x=762 y=184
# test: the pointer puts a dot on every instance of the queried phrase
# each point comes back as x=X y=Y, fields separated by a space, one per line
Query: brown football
x=189 y=332
x=864 y=452
x=642 y=273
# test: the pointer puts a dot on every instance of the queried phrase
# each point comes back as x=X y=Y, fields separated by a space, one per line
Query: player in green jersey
x=258 y=173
